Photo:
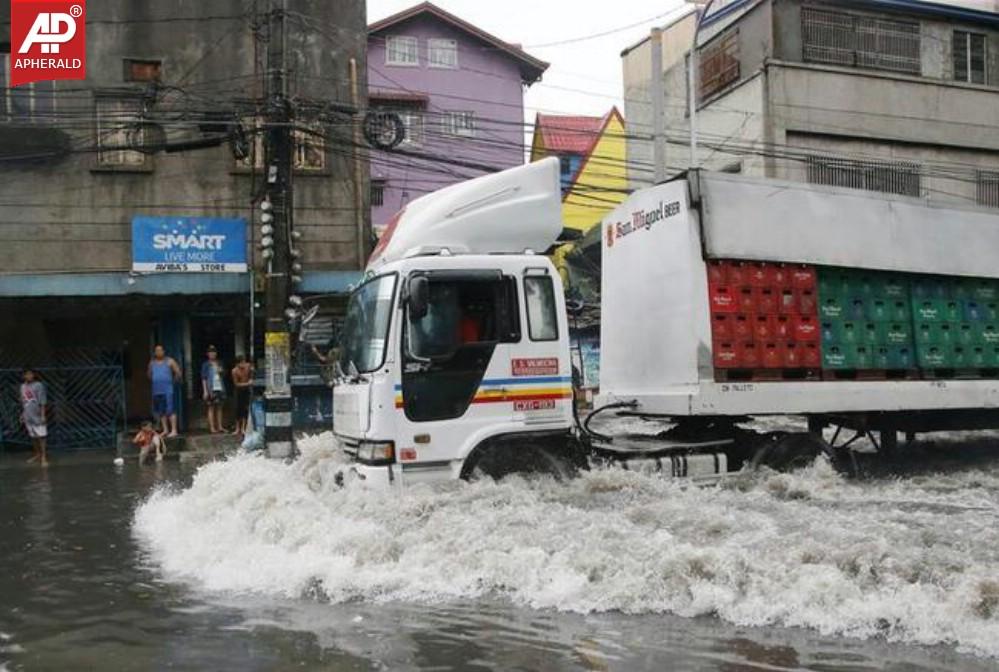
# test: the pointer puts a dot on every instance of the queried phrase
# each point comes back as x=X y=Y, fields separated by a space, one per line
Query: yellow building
x=591 y=151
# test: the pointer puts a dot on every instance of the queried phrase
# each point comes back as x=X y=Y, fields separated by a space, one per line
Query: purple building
x=460 y=94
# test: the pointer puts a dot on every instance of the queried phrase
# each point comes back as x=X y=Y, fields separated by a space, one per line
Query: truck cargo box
x=727 y=295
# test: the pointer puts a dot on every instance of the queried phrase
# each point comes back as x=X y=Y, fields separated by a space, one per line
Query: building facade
x=459 y=92
x=897 y=96
x=79 y=160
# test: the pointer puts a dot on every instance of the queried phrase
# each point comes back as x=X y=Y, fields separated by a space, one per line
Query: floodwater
x=249 y=564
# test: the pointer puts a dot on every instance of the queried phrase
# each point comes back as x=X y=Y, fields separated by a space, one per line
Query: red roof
x=570 y=134
x=531 y=68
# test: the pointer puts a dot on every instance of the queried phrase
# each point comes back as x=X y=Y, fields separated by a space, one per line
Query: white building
x=889 y=95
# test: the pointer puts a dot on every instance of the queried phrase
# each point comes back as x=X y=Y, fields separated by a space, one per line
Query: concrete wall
x=488 y=83
x=69 y=215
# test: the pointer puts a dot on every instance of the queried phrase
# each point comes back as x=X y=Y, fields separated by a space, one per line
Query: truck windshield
x=366 y=327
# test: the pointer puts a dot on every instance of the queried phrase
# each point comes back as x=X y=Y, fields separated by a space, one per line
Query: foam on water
x=911 y=560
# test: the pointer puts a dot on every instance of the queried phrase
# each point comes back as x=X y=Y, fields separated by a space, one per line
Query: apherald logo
x=52 y=40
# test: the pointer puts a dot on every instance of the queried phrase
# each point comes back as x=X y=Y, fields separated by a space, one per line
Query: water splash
x=908 y=560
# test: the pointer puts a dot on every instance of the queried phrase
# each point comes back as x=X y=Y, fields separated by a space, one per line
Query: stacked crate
x=764 y=323
x=956 y=325
x=866 y=324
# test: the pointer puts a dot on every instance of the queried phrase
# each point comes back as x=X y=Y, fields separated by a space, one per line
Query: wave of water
x=910 y=560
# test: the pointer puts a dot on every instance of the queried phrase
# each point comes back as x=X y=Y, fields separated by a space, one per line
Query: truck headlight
x=376 y=452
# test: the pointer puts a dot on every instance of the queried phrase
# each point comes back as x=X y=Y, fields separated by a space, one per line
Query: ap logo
x=51 y=40
x=50 y=29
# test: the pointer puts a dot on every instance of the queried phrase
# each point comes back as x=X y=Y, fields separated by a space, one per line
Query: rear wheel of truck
x=787 y=452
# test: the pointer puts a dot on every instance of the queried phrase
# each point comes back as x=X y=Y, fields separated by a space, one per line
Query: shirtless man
x=242 y=380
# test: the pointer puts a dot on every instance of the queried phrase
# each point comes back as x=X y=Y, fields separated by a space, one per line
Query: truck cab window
x=448 y=349
x=542 y=313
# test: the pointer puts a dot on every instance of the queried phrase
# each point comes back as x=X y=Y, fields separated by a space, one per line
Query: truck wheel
x=501 y=461
x=787 y=452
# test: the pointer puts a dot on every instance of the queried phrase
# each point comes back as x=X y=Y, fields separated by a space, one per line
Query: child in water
x=147 y=440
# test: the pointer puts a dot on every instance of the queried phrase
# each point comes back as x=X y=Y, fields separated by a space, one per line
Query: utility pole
x=658 y=106
x=277 y=215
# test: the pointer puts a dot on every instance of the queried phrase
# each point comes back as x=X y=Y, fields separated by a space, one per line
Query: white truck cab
x=455 y=347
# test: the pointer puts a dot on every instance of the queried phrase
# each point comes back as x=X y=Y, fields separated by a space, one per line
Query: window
x=860 y=41
x=542 y=313
x=442 y=53
x=142 y=70
x=29 y=102
x=116 y=125
x=366 y=326
x=969 y=57
x=988 y=188
x=412 y=121
x=719 y=63
x=310 y=147
x=446 y=351
x=889 y=177
x=377 y=193
x=460 y=124
x=402 y=50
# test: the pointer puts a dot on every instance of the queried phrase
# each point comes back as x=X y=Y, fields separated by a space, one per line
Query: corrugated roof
x=570 y=134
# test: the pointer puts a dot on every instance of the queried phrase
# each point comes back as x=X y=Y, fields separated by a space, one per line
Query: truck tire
x=787 y=452
x=500 y=461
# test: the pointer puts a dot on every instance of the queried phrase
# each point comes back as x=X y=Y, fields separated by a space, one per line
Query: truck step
x=959 y=374
x=766 y=375
x=870 y=374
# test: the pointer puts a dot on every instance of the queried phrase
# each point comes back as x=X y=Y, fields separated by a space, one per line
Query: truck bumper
x=375 y=478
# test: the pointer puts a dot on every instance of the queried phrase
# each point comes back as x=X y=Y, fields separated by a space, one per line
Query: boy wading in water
x=33 y=406
x=148 y=440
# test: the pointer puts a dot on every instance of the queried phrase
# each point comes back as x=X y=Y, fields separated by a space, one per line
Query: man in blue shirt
x=213 y=389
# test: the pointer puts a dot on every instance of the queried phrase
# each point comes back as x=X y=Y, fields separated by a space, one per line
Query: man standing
x=213 y=389
x=164 y=373
x=242 y=379
x=33 y=406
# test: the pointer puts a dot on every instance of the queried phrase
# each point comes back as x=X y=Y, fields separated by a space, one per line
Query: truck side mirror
x=419 y=297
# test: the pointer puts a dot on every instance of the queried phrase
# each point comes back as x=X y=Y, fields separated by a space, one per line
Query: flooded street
x=253 y=565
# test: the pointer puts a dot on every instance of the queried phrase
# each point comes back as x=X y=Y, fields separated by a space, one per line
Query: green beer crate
x=838 y=357
x=928 y=310
x=990 y=311
x=966 y=333
x=988 y=333
x=929 y=287
x=984 y=290
x=834 y=282
x=926 y=333
x=935 y=357
x=895 y=286
x=863 y=357
x=873 y=333
x=901 y=357
x=830 y=307
x=849 y=333
x=898 y=333
x=881 y=357
x=977 y=357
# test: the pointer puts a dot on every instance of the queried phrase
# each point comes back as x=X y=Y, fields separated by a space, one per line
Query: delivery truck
x=724 y=299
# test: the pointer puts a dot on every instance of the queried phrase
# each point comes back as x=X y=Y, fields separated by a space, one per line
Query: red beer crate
x=772 y=355
x=803 y=277
x=717 y=272
x=806 y=300
x=722 y=299
x=748 y=355
x=791 y=355
x=783 y=327
x=763 y=327
x=766 y=300
x=745 y=300
x=722 y=326
x=738 y=273
x=788 y=302
x=780 y=276
x=726 y=355
x=805 y=328
x=742 y=327
x=760 y=274
x=811 y=355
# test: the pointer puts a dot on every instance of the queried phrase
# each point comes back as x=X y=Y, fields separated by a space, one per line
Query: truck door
x=471 y=322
